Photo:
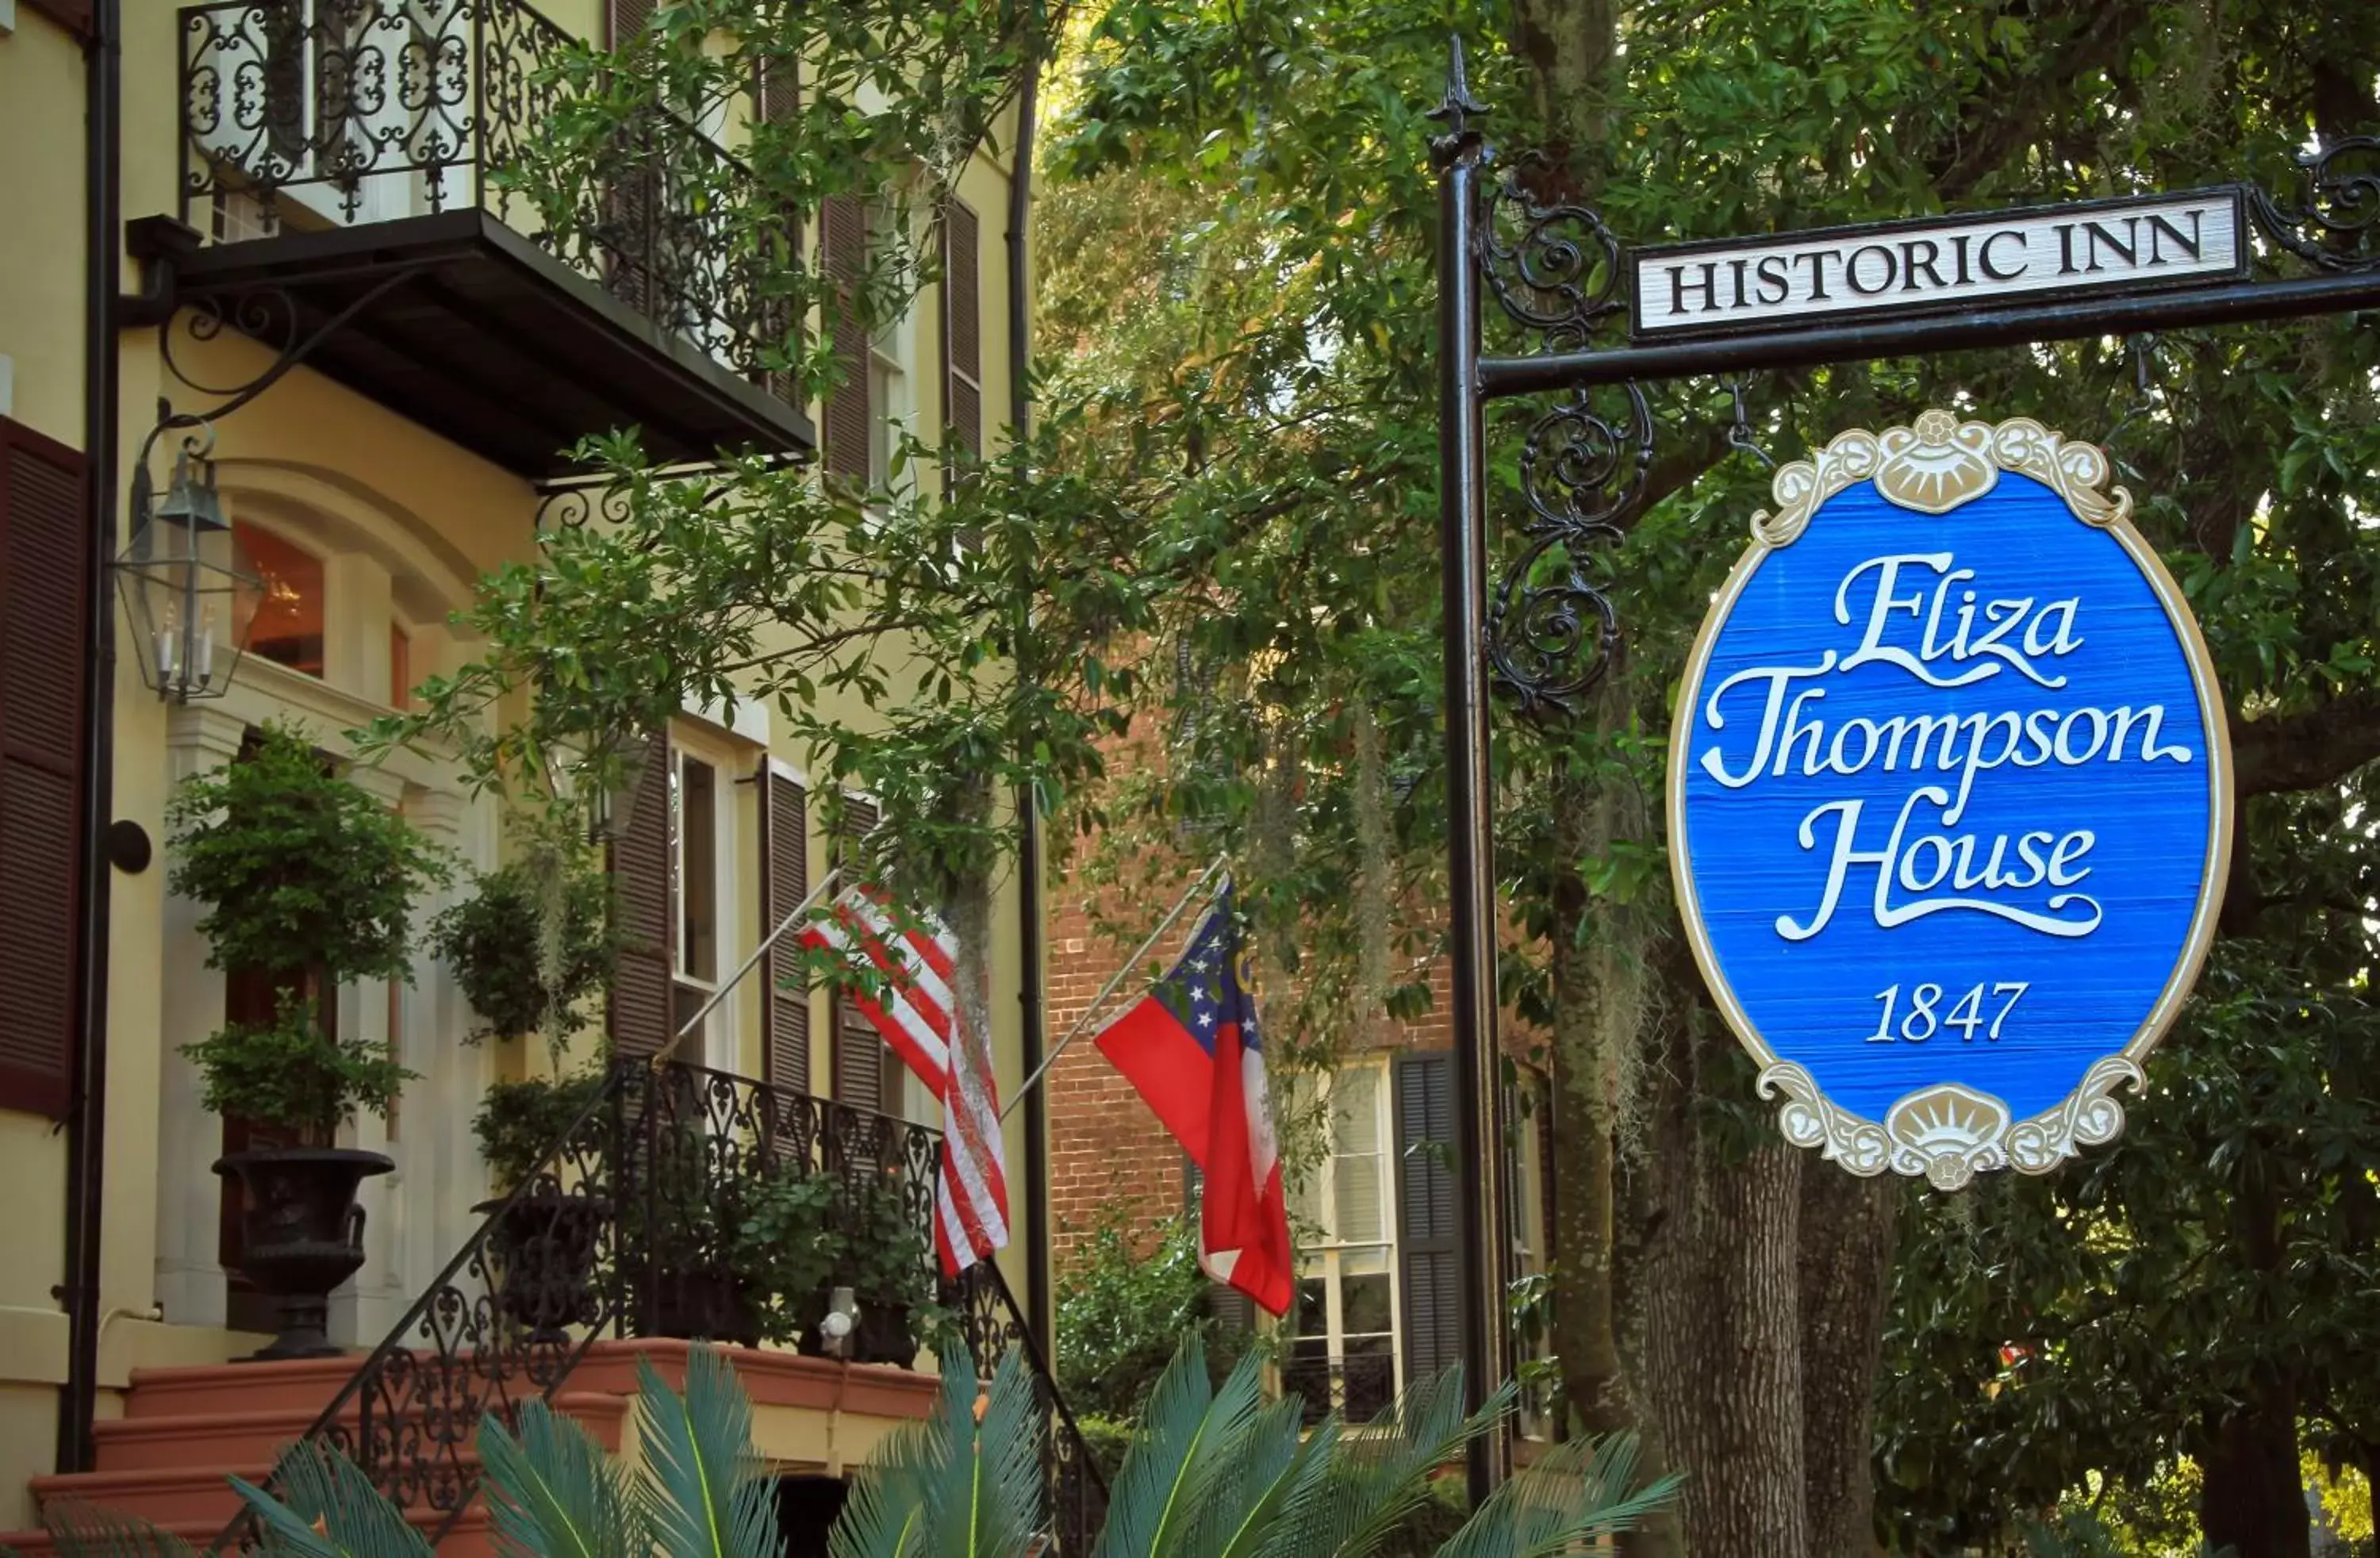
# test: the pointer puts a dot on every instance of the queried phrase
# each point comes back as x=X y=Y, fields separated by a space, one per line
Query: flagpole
x=1114 y=979
x=660 y=1056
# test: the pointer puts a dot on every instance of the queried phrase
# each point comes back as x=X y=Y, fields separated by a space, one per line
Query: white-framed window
x=892 y=354
x=1346 y=1353
x=292 y=625
x=703 y=894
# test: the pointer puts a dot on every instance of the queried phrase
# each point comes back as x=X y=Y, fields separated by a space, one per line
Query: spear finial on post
x=1459 y=108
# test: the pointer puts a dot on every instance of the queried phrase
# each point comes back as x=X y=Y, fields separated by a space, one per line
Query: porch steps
x=185 y=1431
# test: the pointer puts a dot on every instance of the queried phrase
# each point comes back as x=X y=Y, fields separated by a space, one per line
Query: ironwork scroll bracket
x=1554 y=269
x=2334 y=226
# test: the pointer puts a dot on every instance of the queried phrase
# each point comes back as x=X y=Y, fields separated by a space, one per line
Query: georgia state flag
x=1191 y=1048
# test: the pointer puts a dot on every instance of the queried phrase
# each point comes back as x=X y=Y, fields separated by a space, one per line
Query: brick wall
x=1106 y=1148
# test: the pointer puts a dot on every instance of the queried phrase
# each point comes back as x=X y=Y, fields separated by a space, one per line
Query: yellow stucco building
x=447 y=361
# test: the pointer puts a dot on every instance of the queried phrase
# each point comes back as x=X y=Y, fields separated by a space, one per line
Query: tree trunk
x=2251 y=1500
x=1725 y=1360
x=1846 y=1257
x=1582 y=1146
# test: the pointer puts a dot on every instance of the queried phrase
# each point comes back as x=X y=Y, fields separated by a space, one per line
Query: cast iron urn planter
x=543 y=1250
x=705 y=1303
x=301 y=1234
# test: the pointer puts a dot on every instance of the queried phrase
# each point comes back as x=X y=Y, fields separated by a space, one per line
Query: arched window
x=289 y=623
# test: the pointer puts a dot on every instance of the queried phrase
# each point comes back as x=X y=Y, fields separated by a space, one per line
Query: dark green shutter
x=1430 y=1263
x=44 y=623
x=962 y=327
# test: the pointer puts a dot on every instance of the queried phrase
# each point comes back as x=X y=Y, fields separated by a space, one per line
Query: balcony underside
x=495 y=345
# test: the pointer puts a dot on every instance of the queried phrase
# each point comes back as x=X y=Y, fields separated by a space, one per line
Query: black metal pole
x=1462 y=530
x=86 y=1126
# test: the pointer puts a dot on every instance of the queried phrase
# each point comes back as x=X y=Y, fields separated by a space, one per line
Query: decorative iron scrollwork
x=2333 y=229
x=1555 y=271
x=357 y=112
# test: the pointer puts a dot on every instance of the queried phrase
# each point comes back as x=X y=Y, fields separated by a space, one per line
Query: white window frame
x=1326 y=1255
x=721 y=1026
x=892 y=367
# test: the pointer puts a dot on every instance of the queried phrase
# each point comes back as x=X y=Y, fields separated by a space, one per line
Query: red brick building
x=1375 y=1220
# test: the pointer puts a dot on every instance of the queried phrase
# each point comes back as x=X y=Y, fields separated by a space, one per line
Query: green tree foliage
x=1265 y=356
x=1128 y=1299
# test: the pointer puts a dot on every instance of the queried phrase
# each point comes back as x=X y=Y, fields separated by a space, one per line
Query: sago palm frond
x=1282 y=1463
x=1382 y=1471
x=983 y=1496
x=702 y=1495
x=553 y=1493
x=1576 y=1494
x=81 y=1530
x=1194 y=1444
x=884 y=1513
x=328 y=1508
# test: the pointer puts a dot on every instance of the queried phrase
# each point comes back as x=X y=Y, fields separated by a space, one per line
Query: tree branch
x=2305 y=751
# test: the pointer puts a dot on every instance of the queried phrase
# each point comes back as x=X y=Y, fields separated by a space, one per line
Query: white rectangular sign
x=1940 y=264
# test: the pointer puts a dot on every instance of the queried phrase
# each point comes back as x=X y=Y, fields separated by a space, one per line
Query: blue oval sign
x=1950 y=798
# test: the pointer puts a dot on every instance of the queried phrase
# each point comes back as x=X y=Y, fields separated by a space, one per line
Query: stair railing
x=505 y=1321
x=623 y=1228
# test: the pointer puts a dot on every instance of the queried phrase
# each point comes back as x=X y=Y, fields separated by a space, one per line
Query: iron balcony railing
x=645 y=1219
x=313 y=113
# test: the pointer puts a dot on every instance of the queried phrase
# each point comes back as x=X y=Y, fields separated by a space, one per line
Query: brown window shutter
x=861 y=1056
x=623 y=19
x=785 y=882
x=640 y=888
x=842 y=243
x=44 y=629
x=962 y=326
x=1425 y=1213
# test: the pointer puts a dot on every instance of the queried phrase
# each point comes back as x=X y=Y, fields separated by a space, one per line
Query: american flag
x=919 y=1015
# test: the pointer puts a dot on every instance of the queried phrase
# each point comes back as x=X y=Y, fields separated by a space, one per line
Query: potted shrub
x=531 y=941
x=880 y=1253
x=544 y=1245
x=681 y=1226
x=310 y=881
x=782 y=1251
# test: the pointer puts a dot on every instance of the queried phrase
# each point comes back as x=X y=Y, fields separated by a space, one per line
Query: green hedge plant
x=311 y=881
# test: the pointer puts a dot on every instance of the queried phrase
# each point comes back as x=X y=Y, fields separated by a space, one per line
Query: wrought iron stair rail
x=506 y=1320
x=1077 y=1488
x=634 y=1224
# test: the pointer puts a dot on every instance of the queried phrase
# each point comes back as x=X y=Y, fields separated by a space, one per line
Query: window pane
x=1305 y=1199
x=288 y=629
x=1313 y=1308
x=1357 y=1199
x=1364 y=1306
x=1356 y=1111
x=698 y=872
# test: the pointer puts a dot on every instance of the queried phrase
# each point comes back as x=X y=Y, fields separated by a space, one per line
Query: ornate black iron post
x=1462 y=530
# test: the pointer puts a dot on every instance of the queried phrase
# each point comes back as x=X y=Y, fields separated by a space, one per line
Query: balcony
x=347 y=159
